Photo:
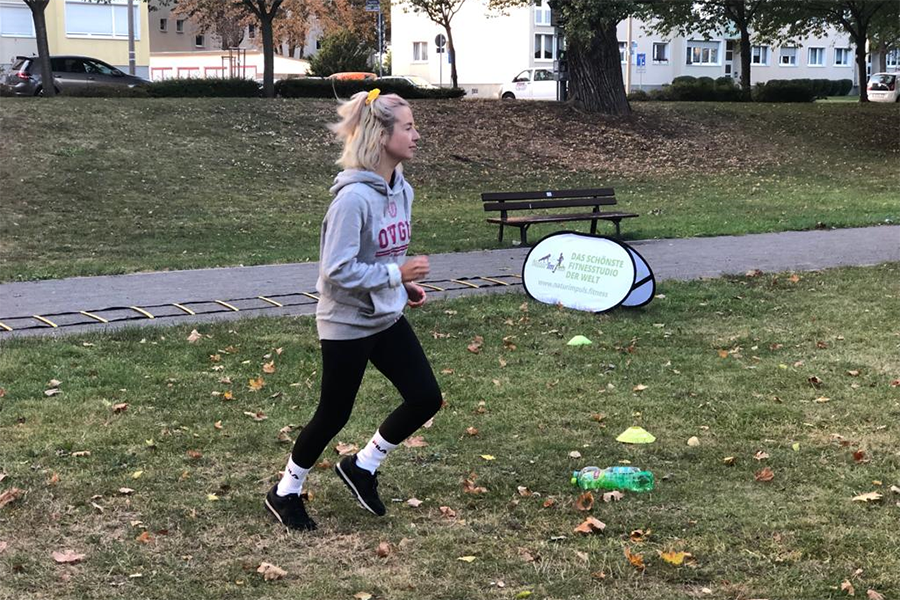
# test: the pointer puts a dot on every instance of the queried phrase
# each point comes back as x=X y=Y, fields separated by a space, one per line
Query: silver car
x=75 y=75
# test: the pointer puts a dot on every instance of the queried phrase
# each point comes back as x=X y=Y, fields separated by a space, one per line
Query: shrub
x=684 y=79
x=845 y=86
x=212 y=87
x=329 y=88
x=340 y=52
x=638 y=96
x=821 y=87
x=784 y=90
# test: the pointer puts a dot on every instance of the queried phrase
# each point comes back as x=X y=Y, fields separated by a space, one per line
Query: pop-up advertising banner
x=587 y=272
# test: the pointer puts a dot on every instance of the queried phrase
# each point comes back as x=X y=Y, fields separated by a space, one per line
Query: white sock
x=292 y=480
x=370 y=457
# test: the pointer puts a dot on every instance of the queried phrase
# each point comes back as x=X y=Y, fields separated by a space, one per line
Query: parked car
x=353 y=76
x=530 y=84
x=71 y=74
x=413 y=80
x=884 y=87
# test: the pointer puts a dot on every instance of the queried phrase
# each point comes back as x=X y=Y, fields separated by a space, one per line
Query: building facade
x=493 y=47
x=78 y=27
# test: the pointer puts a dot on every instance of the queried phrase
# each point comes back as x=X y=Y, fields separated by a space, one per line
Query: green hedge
x=694 y=89
x=724 y=89
x=205 y=88
x=800 y=90
x=328 y=88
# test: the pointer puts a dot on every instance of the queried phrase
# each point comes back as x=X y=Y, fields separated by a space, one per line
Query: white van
x=530 y=84
x=884 y=87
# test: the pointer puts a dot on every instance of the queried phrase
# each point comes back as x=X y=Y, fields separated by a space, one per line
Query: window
x=543 y=75
x=179 y=26
x=523 y=76
x=815 y=57
x=164 y=25
x=702 y=53
x=251 y=31
x=759 y=55
x=660 y=52
x=16 y=21
x=541 y=13
x=199 y=41
x=842 y=57
x=788 y=57
x=99 y=68
x=67 y=65
x=892 y=59
x=544 y=46
x=420 y=51
x=100 y=20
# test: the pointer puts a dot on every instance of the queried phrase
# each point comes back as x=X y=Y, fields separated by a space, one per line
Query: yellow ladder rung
x=270 y=301
x=142 y=311
x=45 y=320
x=492 y=280
x=93 y=316
x=471 y=285
x=431 y=287
x=184 y=308
x=226 y=305
x=307 y=294
x=5 y=326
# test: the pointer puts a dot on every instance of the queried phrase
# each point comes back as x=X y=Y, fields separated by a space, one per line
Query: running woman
x=364 y=283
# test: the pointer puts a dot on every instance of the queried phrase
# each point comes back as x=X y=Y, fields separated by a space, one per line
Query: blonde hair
x=365 y=129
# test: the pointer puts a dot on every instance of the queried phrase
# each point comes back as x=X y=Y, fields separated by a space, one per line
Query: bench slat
x=600 y=201
x=547 y=194
x=556 y=218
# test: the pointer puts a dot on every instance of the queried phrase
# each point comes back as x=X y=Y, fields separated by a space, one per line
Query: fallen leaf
x=54 y=383
x=125 y=491
x=270 y=571
x=447 y=512
x=383 y=550
x=636 y=560
x=362 y=596
x=415 y=442
x=475 y=346
x=760 y=455
x=81 y=453
x=548 y=503
x=766 y=474
x=469 y=486
x=674 y=558
x=229 y=395
x=522 y=595
x=3 y=547
x=256 y=416
x=574 y=454
x=814 y=381
x=256 y=384
x=868 y=497
x=487 y=457
x=723 y=353
x=67 y=557
x=194 y=454
x=346 y=449
x=859 y=456
x=52 y=392
x=796 y=446
x=414 y=502
x=428 y=423
x=639 y=388
x=10 y=495
x=523 y=491
x=729 y=461
x=269 y=367
x=853 y=373
x=599 y=575
x=794 y=278
x=873 y=595
x=585 y=501
x=467 y=559
x=639 y=535
x=613 y=496
x=119 y=408
x=194 y=337
x=54 y=479
x=693 y=441
x=144 y=538
x=846 y=586
x=137 y=474
x=218 y=424
x=754 y=273
x=212 y=498
x=591 y=525
x=471 y=431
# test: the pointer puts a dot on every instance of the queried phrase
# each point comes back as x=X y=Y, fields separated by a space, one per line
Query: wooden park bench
x=516 y=201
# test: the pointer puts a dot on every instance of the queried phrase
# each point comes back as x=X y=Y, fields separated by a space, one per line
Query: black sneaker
x=363 y=484
x=289 y=510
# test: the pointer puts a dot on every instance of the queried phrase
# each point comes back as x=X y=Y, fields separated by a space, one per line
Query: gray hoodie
x=363 y=242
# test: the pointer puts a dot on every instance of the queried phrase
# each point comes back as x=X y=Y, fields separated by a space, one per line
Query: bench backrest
x=504 y=201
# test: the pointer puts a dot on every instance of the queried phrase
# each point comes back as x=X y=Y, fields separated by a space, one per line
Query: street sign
x=373 y=6
x=641 y=60
x=440 y=40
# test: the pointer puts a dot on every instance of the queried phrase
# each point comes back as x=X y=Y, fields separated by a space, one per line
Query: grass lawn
x=102 y=186
x=797 y=375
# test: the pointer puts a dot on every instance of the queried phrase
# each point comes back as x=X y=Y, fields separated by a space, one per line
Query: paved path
x=159 y=293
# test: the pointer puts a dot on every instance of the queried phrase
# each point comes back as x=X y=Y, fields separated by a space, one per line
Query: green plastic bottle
x=613 y=478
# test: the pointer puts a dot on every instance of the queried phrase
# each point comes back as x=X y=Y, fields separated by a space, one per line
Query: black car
x=71 y=74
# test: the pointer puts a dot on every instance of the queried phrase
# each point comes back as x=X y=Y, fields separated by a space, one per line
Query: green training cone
x=636 y=435
x=579 y=340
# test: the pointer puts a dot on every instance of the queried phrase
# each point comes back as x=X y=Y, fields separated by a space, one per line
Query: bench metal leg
x=524 y=232
x=594 y=226
x=500 y=238
x=618 y=231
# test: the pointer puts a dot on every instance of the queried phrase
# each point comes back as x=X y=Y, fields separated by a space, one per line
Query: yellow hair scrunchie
x=372 y=95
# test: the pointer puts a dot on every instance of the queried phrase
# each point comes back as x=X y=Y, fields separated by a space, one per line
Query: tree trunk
x=745 y=62
x=454 y=78
x=43 y=47
x=265 y=22
x=861 y=66
x=596 y=83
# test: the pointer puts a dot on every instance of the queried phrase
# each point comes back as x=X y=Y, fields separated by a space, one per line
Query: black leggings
x=395 y=352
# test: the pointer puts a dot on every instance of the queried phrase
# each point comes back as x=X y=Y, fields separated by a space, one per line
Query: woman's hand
x=415 y=268
x=416 y=295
